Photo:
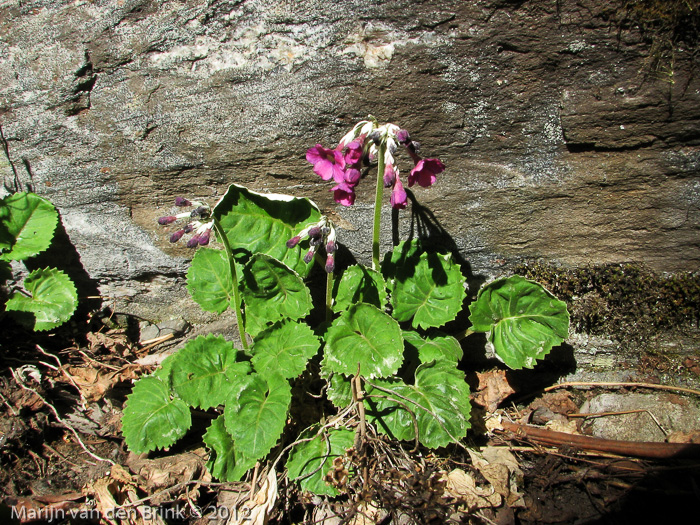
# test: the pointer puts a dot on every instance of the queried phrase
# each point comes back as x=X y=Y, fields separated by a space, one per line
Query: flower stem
x=378 y=205
x=329 y=297
x=234 y=278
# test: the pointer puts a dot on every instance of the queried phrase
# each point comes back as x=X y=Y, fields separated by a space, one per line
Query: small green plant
x=380 y=348
x=48 y=297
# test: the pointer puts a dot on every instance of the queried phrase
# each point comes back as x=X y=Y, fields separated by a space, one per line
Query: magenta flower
x=389 y=176
x=398 y=196
x=353 y=152
x=425 y=171
x=352 y=176
x=344 y=194
x=328 y=163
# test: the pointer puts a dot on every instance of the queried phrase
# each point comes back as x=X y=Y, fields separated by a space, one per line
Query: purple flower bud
x=315 y=232
x=309 y=256
x=176 y=236
x=331 y=247
x=189 y=228
x=181 y=201
x=168 y=219
x=330 y=264
x=291 y=243
x=389 y=176
x=194 y=241
x=402 y=136
x=204 y=237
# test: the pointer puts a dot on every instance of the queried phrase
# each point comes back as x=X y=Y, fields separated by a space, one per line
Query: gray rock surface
x=558 y=147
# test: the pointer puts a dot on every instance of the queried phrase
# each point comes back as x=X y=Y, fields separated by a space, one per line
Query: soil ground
x=61 y=451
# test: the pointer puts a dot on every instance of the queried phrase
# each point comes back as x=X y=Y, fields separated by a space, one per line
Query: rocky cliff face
x=558 y=146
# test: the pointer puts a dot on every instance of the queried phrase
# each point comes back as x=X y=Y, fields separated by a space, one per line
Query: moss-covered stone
x=624 y=301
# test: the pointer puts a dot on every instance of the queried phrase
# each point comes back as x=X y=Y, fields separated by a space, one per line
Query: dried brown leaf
x=492 y=390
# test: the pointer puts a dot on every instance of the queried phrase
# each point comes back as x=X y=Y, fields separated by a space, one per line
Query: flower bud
x=330 y=264
x=168 y=219
x=194 y=241
x=403 y=137
x=176 y=236
x=315 y=232
x=315 y=241
x=189 y=228
x=204 y=237
x=309 y=256
x=181 y=201
x=291 y=243
x=331 y=247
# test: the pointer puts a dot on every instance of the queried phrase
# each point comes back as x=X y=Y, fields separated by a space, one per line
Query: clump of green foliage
x=624 y=300
x=380 y=350
x=47 y=297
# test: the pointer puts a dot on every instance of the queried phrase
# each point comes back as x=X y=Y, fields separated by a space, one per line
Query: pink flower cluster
x=343 y=163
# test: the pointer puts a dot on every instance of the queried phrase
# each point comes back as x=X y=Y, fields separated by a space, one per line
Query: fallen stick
x=642 y=449
x=624 y=385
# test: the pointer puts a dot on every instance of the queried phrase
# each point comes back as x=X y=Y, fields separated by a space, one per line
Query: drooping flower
x=425 y=171
x=328 y=163
x=352 y=176
x=398 y=198
x=344 y=194
x=390 y=174
x=354 y=152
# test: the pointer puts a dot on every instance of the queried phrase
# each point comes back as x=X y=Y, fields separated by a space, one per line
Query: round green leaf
x=433 y=295
x=523 y=319
x=225 y=462
x=359 y=285
x=310 y=461
x=256 y=413
x=255 y=222
x=401 y=262
x=52 y=300
x=30 y=221
x=439 y=400
x=339 y=389
x=284 y=349
x=205 y=370
x=434 y=347
x=209 y=280
x=364 y=334
x=152 y=419
x=272 y=291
